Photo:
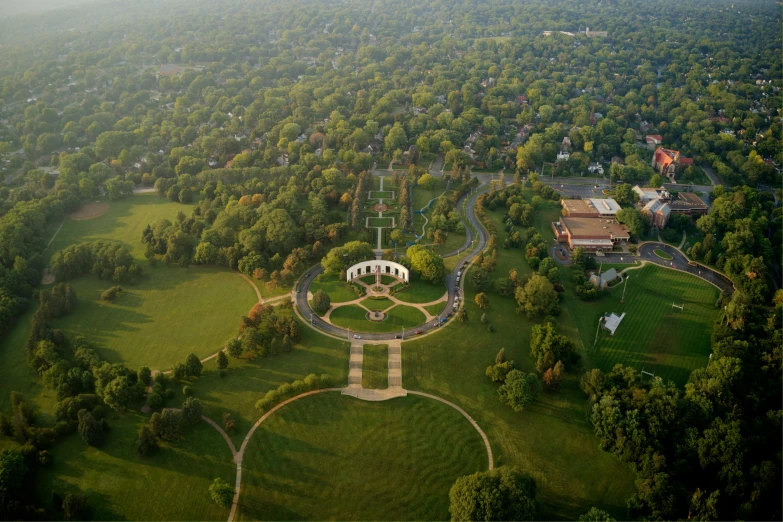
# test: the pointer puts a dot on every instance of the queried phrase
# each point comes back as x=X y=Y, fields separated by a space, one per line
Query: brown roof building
x=591 y=234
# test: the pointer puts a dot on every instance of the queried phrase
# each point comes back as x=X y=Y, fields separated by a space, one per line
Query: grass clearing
x=385 y=222
x=339 y=291
x=247 y=381
x=375 y=366
x=121 y=485
x=171 y=313
x=391 y=460
x=355 y=318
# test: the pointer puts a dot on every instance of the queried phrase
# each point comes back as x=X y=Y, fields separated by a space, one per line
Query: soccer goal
x=680 y=307
x=647 y=375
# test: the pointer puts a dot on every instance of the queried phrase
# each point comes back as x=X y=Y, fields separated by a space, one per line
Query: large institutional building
x=590 y=233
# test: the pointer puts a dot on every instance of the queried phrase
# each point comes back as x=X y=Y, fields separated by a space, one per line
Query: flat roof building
x=592 y=207
x=591 y=234
x=605 y=207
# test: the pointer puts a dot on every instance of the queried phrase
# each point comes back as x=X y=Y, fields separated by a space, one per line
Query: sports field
x=332 y=457
x=354 y=317
x=375 y=366
x=653 y=336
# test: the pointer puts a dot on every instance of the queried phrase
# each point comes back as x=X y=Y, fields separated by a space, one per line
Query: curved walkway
x=238 y=455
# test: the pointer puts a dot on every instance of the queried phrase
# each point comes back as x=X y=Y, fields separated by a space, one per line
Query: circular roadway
x=304 y=285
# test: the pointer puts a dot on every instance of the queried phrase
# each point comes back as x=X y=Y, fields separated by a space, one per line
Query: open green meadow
x=246 y=381
x=124 y=222
x=170 y=485
x=398 y=317
x=375 y=366
x=332 y=457
x=169 y=314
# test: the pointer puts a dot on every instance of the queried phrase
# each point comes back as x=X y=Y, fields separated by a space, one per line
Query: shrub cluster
x=288 y=390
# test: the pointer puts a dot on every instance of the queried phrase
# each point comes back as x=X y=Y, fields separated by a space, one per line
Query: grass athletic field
x=332 y=457
x=354 y=317
x=653 y=336
x=375 y=366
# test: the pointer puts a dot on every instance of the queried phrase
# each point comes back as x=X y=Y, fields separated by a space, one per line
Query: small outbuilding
x=603 y=280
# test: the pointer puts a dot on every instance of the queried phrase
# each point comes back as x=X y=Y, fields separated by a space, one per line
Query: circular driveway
x=304 y=285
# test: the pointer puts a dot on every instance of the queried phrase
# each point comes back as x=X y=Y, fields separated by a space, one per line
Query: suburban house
x=667 y=162
x=590 y=208
x=595 y=168
x=603 y=280
x=592 y=234
x=653 y=140
x=563 y=156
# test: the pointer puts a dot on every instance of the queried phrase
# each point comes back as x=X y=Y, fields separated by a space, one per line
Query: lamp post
x=403 y=333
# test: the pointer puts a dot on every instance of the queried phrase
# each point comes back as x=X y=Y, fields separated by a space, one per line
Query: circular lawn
x=331 y=457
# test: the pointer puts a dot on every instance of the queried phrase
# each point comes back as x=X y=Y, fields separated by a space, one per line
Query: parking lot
x=578 y=191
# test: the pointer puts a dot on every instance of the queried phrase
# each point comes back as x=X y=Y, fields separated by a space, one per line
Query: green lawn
x=247 y=381
x=382 y=194
x=369 y=279
x=552 y=440
x=653 y=336
x=169 y=314
x=332 y=457
x=121 y=485
x=339 y=291
x=662 y=254
x=377 y=304
x=124 y=222
x=436 y=308
x=354 y=317
x=387 y=279
x=375 y=366
x=420 y=291
x=381 y=222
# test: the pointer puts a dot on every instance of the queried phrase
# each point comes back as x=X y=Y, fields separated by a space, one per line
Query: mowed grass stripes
x=332 y=457
x=654 y=336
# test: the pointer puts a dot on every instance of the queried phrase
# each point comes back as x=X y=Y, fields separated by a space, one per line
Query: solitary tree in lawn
x=482 y=300
x=499 y=494
x=193 y=365
x=221 y=492
x=191 y=411
x=222 y=362
x=321 y=302
x=519 y=390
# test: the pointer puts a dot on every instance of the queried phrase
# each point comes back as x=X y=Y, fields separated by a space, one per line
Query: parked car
x=398 y=337
x=357 y=336
x=418 y=332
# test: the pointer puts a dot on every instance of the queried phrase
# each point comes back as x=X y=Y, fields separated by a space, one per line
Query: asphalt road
x=307 y=312
x=680 y=262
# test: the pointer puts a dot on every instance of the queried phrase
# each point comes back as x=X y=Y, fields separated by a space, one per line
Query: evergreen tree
x=90 y=429
x=222 y=362
x=147 y=443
